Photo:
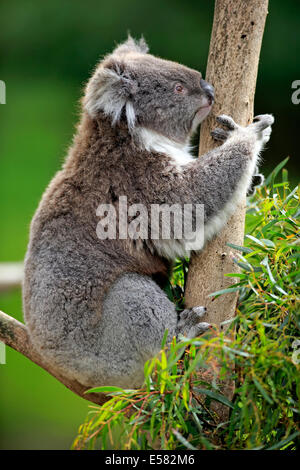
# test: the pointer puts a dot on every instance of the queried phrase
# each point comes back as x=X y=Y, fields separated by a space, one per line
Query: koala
x=94 y=306
x=257 y=181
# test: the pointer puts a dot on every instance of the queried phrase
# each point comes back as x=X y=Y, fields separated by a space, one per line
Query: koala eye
x=179 y=89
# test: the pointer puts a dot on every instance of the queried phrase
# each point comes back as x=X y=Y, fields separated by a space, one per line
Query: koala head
x=163 y=96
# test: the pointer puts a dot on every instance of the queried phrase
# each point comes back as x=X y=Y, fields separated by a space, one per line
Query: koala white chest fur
x=179 y=154
x=95 y=307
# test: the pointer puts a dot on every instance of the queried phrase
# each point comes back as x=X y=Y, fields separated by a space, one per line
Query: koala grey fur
x=95 y=308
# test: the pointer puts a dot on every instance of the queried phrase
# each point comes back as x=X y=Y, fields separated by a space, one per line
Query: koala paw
x=227 y=122
x=199 y=329
x=221 y=135
x=189 y=323
x=263 y=127
x=262 y=122
x=260 y=127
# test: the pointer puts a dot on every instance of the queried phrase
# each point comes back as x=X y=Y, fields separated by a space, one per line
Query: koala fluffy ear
x=110 y=90
x=132 y=45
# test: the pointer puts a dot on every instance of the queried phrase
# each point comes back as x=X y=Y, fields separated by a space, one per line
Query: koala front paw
x=221 y=135
x=260 y=128
x=262 y=121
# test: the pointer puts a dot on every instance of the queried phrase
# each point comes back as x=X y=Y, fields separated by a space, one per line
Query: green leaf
x=164 y=372
x=183 y=440
x=268 y=243
x=265 y=263
x=225 y=291
x=285 y=175
x=262 y=391
x=197 y=422
x=256 y=240
x=243 y=249
x=284 y=441
x=239 y=275
x=215 y=396
x=269 y=225
x=164 y=340
x=275 y=172
x=292 y=193
x=238 y=352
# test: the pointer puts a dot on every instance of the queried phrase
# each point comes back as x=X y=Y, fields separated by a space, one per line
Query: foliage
x=176 y=407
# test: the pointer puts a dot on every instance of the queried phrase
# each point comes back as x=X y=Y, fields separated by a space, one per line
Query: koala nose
x=208 y=89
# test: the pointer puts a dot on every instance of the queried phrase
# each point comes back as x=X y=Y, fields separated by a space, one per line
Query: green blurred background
x=48 y=50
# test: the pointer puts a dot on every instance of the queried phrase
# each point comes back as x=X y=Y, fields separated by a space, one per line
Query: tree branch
x=15 y=334
x=11 y=275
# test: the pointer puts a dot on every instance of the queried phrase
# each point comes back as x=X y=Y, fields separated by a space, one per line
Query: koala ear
x=132 y=45
x=110 y=90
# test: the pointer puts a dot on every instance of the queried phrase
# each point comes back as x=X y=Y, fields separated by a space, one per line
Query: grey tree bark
x=232 y=68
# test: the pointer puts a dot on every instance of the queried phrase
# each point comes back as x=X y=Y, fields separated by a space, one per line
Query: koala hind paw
x=189 y=323
x=257 y=181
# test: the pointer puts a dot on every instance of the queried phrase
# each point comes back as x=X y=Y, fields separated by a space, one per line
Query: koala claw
x=219 y=134
x=200 y=311
x=192 y=315
x=198 y=330
x=189 y=322
x=202 y=327
x=257 y=181
x=227 y=121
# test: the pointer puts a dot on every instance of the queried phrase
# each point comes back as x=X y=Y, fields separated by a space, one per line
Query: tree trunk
x=232 y=68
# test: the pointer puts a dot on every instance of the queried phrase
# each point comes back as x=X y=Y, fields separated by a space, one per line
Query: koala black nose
x=208 y=89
